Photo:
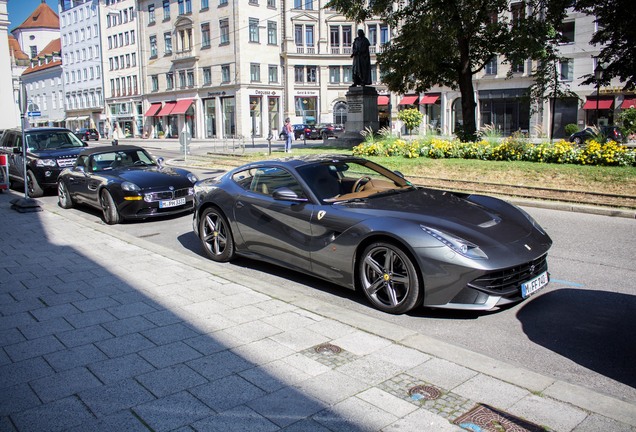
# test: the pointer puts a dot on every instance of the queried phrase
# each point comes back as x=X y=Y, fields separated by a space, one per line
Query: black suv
x=87 y=134
x=610 y=132
x=49 y=150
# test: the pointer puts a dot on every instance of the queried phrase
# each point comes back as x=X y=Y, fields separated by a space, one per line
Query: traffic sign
x=34 y=113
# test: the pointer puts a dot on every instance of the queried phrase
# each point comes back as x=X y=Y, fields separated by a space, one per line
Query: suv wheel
x=33 y=187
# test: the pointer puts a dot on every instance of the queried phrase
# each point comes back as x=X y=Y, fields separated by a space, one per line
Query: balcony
x=184 y=55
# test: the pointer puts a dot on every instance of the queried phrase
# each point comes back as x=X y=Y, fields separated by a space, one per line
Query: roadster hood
x=154 y=177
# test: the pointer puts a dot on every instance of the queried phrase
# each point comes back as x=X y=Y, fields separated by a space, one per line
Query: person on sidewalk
x=115 y=136
x=289 y=135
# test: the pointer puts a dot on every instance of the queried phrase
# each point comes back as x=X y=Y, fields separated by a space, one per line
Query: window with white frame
x=253 y=30
x=205 y=35
x=153 y=46
x=273 y=73
x=224 y=27
x=225 y=74
x=334 y=74
x=566 y=69
x=207 y=76
x=167 y=38
x=255 y=72
x=272 y=33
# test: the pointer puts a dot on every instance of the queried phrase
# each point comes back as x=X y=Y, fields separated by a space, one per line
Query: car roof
x=299 y=161
x=109 y=149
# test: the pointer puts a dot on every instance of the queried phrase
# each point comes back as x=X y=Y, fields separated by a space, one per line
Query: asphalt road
x=579 y=329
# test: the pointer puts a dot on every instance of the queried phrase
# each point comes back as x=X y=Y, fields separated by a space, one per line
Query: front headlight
x=193 y=178
x=457 y=244
x=130 y=187
x=46 y=162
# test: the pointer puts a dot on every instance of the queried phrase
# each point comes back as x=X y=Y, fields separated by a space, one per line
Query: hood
x=153 y=177
x=60 y=153
x=490 y=220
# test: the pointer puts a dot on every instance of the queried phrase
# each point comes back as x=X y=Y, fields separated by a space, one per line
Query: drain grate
x=327 y=348
x=488 y=419
x=424 y=392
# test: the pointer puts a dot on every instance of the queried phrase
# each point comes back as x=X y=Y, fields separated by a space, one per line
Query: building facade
x=82 y=64
x=44 y=90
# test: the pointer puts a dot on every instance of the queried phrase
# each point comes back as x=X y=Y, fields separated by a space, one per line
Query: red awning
x=629 y=102
x=167 y=109
x=182 y=106
x=429 y=99
x=153 y=110
x=383 y=100
x=603 y=104
x=409 y=100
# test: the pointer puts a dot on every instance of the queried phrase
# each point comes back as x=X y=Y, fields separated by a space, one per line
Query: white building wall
x=11 y=114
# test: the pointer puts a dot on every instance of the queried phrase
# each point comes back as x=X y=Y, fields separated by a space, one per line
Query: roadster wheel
x=389 y=279
x=111 y=214
x=64 y=199
x=215 y=235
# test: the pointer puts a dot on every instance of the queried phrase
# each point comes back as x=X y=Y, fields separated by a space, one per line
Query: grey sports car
x=355 y=223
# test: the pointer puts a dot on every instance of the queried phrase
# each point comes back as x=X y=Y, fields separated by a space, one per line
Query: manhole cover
x=489 y=419
x=327 y=349
x=424 y=392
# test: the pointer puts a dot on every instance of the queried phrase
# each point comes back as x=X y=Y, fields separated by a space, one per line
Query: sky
x=19 y=10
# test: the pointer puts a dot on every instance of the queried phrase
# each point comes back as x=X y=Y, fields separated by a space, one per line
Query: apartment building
x=121 y=67
x=44 y=90
x=82 y=64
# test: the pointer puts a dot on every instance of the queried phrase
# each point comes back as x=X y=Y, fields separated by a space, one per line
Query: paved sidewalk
x=106 y=332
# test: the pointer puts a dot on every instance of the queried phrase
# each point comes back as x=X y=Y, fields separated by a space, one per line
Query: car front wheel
x=389 y=279
x=215 y=235
x=33 y=187
x=111 y=214
x=63 y=197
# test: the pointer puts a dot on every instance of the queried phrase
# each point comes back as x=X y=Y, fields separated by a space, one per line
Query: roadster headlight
x=457 y=244
x=193 y=178
x=130 y=187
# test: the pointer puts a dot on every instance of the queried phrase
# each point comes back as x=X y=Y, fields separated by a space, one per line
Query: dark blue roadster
x=362 y=226
x=125 y=182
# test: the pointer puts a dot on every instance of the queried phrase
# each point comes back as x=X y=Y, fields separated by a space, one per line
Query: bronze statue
x=361 y=60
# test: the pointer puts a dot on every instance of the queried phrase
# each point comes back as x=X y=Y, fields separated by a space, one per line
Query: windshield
x=50 y=140
x=120 y=159
x=345 y=180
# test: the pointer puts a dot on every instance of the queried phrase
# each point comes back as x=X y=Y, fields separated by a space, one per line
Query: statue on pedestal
x=361 y=60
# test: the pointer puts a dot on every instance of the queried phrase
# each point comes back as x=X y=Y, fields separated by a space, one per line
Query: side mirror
x=160 y=161
x=286 y=194
x=399 y=174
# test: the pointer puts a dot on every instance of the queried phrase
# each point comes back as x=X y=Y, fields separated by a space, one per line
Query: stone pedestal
x=362 y=103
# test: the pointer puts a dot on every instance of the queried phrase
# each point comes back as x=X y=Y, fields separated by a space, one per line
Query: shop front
x=306 y=107
x=431 y=103
x=599 y=110
x=507 y=110
x=384 y=111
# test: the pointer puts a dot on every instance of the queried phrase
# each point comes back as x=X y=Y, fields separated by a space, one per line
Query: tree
x=446 y=42
x=628 y=119
x=411 y=118
x=617 y=35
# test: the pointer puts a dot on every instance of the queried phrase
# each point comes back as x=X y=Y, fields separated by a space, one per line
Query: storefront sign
x=265 y=92
x=614 y=90
x=306 y=93
x=217 y=93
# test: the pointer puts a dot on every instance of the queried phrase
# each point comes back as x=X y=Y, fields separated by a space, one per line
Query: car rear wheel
x=33 y=187
x=111 y=214
x=215 y=235
x=388 y=278
x=64 y=199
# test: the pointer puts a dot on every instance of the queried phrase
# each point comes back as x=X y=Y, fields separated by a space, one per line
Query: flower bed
x=507 y=149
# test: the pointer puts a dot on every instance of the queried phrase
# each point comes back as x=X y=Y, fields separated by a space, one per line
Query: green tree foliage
x=446 y=42
x=617 y=37
x=628 y=119
x=411 y=117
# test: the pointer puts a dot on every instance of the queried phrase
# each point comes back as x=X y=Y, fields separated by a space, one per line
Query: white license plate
x=172 y=203
x=534 y=285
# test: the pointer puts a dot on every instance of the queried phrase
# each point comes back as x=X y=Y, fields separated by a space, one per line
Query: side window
x=267 y=180
x=82 y=161
x=244 y=178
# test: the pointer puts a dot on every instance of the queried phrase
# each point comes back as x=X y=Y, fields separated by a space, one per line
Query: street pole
x=598 y=75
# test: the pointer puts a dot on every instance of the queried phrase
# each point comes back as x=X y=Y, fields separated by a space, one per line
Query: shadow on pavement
x=594 y=329
x=98 y=334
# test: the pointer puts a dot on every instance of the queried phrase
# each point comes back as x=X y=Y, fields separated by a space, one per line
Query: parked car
x=303 y=131
x=49 y=150
x=87 y=134
x=125 y=182
x=357 y=224
x=328 y=130
x=610 y=132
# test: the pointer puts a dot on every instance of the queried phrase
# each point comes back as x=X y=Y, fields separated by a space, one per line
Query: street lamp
x=598 y=75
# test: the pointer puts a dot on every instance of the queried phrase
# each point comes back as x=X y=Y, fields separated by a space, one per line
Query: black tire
x=111 y=214
x=389 y=279
x=33 y=187
x=64 y=198
x=325 y=136
x=216 y=236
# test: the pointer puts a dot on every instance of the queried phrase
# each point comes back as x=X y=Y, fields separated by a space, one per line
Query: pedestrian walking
x=289 y=135
x=115 y=136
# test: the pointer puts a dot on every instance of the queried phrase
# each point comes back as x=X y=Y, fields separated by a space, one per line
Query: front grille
x=167 y=195
x=63 y=163
x=508 y=281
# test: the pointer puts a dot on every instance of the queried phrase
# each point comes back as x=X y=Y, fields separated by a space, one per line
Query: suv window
x=11 y=139
x=46 y=140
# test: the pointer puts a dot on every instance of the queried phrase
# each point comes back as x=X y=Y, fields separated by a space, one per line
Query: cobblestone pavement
x=104 y=332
